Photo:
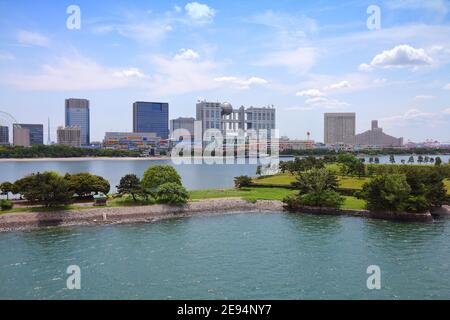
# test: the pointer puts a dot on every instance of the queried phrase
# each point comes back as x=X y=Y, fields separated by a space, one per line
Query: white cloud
x=177 y=8
x=340 y=85
x=242 y=83
x=447 y=86
x=6 y=56
x=178 y=76
x=414 y=118
x=423 y=97
x=311 y=93
x=365 y=67
x=187 y=54
x=440 y=6
x=199 y=12
x=447 y=111
x=148 y=34
x=299 y=60
x=129 y=73
x=74 y=73
x=326 y=103
x=400 y=56
x=32 y=39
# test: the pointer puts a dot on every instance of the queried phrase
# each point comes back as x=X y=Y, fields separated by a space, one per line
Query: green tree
x=6 y=188
x=386 y=192
x=172 y=193
x=420 y=159
x=85 y=184
x=411 y=159
x=258 y=170
x=48 y=188
x=438 y=161
x=130 y=184
x=242 y=182
x=392 y=159
x=316 y=187
x=158 y=175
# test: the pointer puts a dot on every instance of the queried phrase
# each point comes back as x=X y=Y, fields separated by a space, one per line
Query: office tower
x=69 y=136
x=28 y=134
x=377 y=138
x=4 y=135
x=151 y=117
x=182 y=123
x=223 y=116
x=77 y=114
x=339 y=128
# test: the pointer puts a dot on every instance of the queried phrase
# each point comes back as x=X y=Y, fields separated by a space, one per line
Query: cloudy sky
x=304 y=57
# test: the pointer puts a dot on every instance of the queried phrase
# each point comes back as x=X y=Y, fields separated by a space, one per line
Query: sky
x=387 y=60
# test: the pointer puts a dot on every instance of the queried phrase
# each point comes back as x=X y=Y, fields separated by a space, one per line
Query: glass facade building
x=35 y=133
x=151 y=117
x=77 y=115
x=4 y=135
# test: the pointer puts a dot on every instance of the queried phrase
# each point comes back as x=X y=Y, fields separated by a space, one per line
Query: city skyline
x=305 y=59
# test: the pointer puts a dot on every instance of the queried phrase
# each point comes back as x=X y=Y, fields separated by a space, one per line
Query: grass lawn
x=251 y=194
x=353 y=203
x=286 y=179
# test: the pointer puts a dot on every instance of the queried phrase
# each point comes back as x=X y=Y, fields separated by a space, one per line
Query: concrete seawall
x=210 y=207
x=115 y=215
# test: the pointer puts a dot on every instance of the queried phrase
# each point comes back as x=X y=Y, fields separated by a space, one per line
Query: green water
x=242 y=256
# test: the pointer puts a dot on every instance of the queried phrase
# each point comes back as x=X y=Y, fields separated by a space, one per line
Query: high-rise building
x=223 y=116
x=4 y=135
x=182 y=123
x=151 y=117
x=339 y=128
x=28 y=134
x=77 y=114
x=69 y=136
x=377 y=138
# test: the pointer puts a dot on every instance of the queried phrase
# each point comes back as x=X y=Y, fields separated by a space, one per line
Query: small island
x=342 y=185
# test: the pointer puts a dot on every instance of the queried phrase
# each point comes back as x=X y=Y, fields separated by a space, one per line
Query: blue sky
x=304 y=57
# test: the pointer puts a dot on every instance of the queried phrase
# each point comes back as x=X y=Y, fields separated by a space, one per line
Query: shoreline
x=26 y=221
x=70 y=159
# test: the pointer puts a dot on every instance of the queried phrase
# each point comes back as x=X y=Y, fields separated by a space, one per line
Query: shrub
x=172 y=193
x=157 y=175
x=242 y=182
x=317 y=187
x=6 y=205
x=415 y=204
x=386 y=192
x=316 y=180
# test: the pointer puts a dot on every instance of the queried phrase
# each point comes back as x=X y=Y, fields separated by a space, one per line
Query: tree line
x=61 y=151
x=161 y=183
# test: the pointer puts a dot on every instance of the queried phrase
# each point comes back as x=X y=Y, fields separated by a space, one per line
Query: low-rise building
x=295 y=144
x=377 y=138
x=69 y=136
x=131 y=140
